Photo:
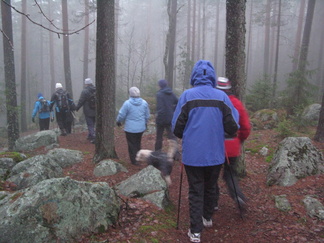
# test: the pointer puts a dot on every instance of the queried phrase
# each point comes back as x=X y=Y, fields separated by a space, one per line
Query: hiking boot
x=207 y=223
x=194 y=237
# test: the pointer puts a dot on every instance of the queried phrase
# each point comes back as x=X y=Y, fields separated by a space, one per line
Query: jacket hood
x=166 y=90
x=135 y=100
x=203 y=73
x=40 y=97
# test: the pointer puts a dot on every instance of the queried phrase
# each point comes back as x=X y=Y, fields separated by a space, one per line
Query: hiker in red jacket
x=233 y=145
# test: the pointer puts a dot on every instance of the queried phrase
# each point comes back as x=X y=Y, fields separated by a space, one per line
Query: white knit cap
x=88 y=81
x=134 y=92
x=58 y=86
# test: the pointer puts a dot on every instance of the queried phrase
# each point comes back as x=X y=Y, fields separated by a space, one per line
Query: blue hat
x=163 y=83
x=39 y=95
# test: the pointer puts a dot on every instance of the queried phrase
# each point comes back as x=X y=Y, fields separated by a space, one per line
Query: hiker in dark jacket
x=44 y=114
x=201 y=119
x=89 y=109
x=166 y=102
x=64 y=106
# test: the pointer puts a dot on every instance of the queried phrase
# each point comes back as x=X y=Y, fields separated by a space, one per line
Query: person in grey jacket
x=135 y=114
x=166 y=102
x=88 y=109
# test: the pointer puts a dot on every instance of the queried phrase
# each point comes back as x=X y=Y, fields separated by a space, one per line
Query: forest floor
x=140 y=221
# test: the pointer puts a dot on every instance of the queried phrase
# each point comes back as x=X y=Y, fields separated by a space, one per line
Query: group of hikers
x=211 y=122
x=63 y=105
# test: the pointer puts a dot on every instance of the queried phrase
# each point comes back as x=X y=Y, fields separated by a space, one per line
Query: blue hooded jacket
x=135 y=113
x=202 y=117
x=38 y=106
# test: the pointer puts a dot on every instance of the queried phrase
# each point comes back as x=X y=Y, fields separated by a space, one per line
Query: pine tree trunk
x=105 y=81
x=23 y=90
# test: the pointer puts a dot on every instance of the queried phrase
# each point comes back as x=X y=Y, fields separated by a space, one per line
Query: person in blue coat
x=135 y=114
x=202 y=119
x=41 y=108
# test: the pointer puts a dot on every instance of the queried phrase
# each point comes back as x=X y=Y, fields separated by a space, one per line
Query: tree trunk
x=235 y=45
x=298 y=33
x=66 y=49
x=10 y=78
x=170 y=42
x=277 y=54
x=193 y=44
x=216 y=36
x=188 y=67
x=319 y=136
x=235 y=55
x=266 y=53
x=105 y=81
x=86 y=41
x=23 y=90
x=51 y=53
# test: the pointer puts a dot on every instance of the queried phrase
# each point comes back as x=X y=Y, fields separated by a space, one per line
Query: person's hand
x=33 y=119
x=118 y=124
x=52 y=119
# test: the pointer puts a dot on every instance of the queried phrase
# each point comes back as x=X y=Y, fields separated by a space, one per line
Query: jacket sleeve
x=230 y=117
x=83 y=98
x=179 y=119
x=36 y=108
x=53 y=100
x=245 y=126
x=122 y=112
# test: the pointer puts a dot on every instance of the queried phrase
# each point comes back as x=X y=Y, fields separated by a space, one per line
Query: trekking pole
x=179 y=199
x=235 y=191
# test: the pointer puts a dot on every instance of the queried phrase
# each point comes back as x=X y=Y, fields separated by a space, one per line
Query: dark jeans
x=91 y=121
x=44 y=124
x=134 y=145
x=159 y=135
x=202 y=194
x=230 y=177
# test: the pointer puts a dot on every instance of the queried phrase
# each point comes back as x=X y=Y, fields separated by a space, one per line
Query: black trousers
x=44 y=124
x=230 y=177
x=159 y=135
x=202 y=194
x=64 y=120
x=134 y=145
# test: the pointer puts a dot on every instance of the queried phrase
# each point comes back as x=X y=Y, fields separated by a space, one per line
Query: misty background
x=141 y=29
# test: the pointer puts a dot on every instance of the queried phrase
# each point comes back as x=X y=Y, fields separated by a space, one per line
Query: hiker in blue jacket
x=201 y=119
x=42 y=107
x=135 y=113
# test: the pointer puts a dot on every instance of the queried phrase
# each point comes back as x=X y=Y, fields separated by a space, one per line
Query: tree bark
x=266 y=53
x=23 y=90
x=10 y=78
x=66 y=49
x=105 y=81
x=86 y=41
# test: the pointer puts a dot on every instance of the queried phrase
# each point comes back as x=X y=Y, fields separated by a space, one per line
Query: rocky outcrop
x=57 y=210
x=37 y=140
x=295 y=158
x=108 y=167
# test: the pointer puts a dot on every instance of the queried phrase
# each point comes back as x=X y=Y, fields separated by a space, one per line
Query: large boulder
x=37 y=140
x=34 y=170
x=148 y=184
x=65 y=157
x=108 y=167
x=311 y=114
x=295 y=158
x=265 y=119
x=57 y=210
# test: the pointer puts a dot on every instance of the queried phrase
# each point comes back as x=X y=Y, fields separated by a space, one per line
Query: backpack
x=62 y=99
x=92 y=100
x=44 y=106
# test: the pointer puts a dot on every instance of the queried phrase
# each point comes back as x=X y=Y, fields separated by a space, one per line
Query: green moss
x=17 y=157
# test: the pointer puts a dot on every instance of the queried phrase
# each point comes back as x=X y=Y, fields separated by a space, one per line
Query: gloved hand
x=52 y=119
x=33 y=119
x=118 y=124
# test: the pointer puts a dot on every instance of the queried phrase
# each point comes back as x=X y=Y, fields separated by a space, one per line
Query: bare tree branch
x=41 y=11
x=44 y=27
x=4 y=34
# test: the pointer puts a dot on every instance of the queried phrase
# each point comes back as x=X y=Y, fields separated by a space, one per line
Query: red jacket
x=233 y=146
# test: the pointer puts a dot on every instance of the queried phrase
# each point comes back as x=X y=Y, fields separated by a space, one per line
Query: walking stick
x=179 y=199
x=235 y=191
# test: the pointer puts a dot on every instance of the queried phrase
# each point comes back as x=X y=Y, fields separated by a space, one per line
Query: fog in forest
x=141 y=32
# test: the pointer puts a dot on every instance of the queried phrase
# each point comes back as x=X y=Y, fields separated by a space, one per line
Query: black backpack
x=44 y=106
x=62 y=100
x=92 y=100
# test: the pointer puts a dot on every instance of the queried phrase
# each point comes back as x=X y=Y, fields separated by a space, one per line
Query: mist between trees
x=280 y=56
